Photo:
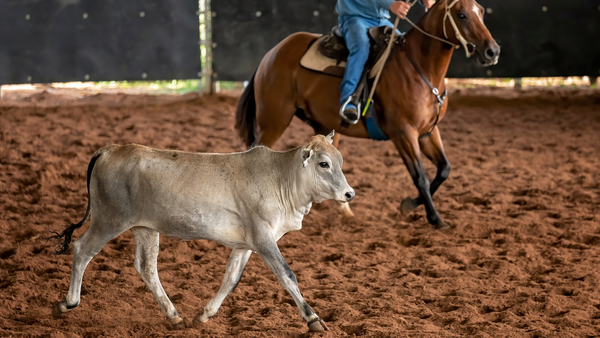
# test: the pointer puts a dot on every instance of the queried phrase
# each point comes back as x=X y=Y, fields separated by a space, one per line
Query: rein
x=459 y=36
x=435 y=92
x=440 y=98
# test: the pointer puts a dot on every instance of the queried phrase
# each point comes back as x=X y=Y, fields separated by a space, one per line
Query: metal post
x=518 y=83
x=206 y=16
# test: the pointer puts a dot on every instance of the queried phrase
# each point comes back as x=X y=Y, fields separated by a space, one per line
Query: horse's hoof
x=177 y=323
x=317 y=325
x=441 y=225
x=407 y=206
x=58 y=310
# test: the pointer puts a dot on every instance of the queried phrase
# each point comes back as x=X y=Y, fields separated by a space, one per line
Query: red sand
x=523 y=200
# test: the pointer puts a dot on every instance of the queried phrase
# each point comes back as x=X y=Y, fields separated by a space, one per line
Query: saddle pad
x=316 y=61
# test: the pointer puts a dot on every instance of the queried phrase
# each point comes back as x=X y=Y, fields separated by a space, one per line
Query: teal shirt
x=372 y=9
x=366 y=8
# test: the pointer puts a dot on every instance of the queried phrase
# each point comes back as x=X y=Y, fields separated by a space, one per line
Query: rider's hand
x=428 y=3
x=399 y=8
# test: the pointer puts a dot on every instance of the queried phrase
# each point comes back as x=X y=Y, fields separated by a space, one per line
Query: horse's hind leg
x=233 y=274
x=433 y=148
x=275 y=105
x=84 y=249
x=272 y=118
x=146 y=254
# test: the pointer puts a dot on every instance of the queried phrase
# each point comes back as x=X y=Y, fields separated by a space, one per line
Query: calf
x=245 y=201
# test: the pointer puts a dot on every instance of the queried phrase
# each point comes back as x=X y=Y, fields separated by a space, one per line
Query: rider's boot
x=349 y=112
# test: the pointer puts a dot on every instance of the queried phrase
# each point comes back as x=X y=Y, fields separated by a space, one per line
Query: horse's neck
x=430 y=55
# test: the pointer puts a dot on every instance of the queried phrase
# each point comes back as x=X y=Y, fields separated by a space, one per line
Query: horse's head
x=463 y=23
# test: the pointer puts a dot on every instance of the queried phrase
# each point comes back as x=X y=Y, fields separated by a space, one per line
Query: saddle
x=328 y=54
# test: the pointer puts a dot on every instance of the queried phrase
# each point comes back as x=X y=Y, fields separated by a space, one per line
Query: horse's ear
x=330 y=136
x=305 y=153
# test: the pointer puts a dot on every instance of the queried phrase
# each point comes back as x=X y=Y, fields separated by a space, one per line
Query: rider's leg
x=355 y=33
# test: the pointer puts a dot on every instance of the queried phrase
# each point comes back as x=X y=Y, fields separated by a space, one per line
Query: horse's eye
x=324 y=165
x=462 y=16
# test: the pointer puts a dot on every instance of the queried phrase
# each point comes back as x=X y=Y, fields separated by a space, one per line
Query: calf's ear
x=330 y=136
x=305 y=153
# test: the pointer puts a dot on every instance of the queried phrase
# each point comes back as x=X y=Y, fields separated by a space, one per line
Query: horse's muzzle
x=488 y=53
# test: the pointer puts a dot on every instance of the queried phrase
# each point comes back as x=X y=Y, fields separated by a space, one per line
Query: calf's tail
x=63 y=247
x=245 y=114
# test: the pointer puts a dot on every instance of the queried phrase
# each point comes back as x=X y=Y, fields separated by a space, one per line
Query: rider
x=355 y=18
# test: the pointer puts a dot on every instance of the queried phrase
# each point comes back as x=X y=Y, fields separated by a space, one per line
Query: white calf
x=245 y=201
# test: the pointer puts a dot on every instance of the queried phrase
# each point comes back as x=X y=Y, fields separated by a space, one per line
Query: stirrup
x=344 y=118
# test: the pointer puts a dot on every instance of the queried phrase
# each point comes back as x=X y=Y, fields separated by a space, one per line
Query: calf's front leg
x=269 y=252
x=233 y=274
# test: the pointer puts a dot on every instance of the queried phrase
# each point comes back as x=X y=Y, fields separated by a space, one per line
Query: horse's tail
x=245 y=114
x=63 y=247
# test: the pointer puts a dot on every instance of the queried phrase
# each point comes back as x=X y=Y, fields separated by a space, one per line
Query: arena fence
x=539 y=38
x=90 y=40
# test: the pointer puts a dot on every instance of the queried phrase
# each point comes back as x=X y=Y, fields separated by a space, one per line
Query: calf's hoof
x=201 y=319
x=177 y=323
x=317 y=325
x=407 y=206
x=59 y=309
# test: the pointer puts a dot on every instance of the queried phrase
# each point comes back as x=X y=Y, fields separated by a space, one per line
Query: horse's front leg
x=433 y=148
x=407 y=143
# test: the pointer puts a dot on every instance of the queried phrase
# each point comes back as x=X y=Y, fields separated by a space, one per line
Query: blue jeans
x=355 y=29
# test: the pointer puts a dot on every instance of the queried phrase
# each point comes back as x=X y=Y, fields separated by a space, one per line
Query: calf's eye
x=324 y=165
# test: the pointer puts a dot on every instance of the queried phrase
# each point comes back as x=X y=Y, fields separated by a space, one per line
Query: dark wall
x=561 y=41
x=242 y=38
x=65 y=40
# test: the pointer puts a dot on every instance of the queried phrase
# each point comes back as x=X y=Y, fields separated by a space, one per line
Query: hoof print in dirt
x=59 y=310
x=56 y=310
x=407 y=206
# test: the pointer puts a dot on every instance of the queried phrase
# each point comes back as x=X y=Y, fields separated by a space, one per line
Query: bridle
x=440 y=97
x=457 y=33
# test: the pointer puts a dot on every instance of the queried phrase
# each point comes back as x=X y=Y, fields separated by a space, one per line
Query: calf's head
x=322 y=171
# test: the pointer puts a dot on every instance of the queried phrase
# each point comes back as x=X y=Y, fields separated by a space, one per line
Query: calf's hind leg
x=233 y=273
x=84 y=249
x=146 y=254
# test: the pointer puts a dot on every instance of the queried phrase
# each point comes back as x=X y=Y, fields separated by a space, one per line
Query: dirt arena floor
x=522 y=258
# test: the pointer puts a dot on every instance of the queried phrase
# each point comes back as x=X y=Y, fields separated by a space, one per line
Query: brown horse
x=404 y=104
